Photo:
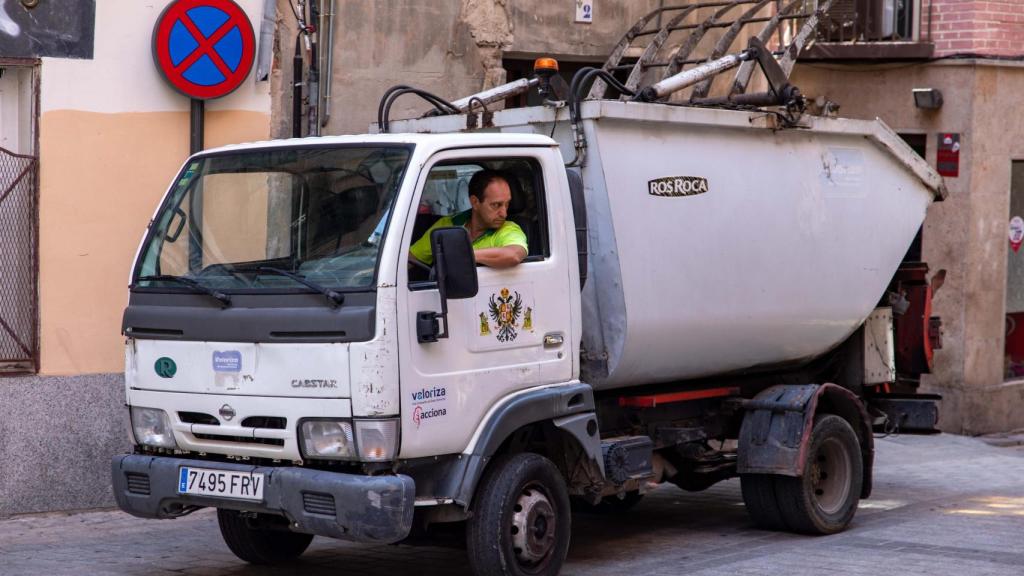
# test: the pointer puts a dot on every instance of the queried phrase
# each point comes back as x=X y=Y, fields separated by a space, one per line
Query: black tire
x=609 y=505
x=519 y=491
x=823 y=500
x=257 y=545
x=759 y=498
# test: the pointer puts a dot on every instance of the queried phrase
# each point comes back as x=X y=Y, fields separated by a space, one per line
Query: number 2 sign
x=585 y=11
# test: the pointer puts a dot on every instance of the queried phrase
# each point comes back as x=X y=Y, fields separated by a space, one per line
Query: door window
x=446 y=194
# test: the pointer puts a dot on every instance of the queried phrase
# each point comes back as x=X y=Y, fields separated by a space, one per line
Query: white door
x=514 y=334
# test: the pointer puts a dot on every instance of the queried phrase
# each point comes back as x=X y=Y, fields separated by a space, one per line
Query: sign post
x=204 y=49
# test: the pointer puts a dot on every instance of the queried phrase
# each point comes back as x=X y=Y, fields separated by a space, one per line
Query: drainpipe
x=313 y=81
x=327 y=52
x=297 y=88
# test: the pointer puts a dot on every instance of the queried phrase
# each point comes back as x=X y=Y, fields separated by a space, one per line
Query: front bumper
x=375 y=509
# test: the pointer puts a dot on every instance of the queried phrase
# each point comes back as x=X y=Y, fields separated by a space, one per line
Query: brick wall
x=987 y=27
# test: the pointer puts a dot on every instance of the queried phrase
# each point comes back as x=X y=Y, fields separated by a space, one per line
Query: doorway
x=1013 y=358
x=19 y=218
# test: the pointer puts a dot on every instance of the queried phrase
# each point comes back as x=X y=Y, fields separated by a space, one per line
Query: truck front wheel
x=520 y=519
x=824 y=498
x=258 y=544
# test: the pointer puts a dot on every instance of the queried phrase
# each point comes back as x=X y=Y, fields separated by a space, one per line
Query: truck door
x=515 y=333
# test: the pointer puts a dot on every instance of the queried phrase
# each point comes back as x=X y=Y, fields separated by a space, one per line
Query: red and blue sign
x=204 y=48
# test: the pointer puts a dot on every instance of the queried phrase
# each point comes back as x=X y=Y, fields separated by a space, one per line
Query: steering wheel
x=432 y=273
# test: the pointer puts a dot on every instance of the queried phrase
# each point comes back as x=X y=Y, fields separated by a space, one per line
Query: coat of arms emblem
x=505 y=309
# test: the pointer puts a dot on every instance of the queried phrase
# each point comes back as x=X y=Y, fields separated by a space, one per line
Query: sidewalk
x=942 y=505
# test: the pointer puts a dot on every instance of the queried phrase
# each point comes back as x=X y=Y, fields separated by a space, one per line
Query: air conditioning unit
x=882 y=19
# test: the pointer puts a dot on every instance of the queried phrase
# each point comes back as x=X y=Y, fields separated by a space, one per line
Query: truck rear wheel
x=520 y=520
x=260 y=545
x=759 y=498
x=824 y=498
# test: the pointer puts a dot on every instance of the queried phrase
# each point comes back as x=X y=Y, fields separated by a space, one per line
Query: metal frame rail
x=685 y=35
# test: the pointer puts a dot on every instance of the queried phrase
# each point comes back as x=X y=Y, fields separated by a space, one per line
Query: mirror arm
x=428 y=324
x=442 y=289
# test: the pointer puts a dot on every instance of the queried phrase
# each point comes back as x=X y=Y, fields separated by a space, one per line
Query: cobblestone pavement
x=942 y=505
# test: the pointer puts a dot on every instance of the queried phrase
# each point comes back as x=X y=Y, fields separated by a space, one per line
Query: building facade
x=973 y=54
x=92 y=134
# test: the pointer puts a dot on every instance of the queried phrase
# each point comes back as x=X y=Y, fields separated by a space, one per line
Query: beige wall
x=102 y=176
x=112 y=134
x=965 y=235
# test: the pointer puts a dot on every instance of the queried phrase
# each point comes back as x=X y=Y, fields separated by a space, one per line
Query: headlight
x=152 y=427
x=327 y=439
x=376 y=439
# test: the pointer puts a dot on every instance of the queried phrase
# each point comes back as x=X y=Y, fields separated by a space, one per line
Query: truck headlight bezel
x=364 y=440
x=315 y=435
x=152 y=427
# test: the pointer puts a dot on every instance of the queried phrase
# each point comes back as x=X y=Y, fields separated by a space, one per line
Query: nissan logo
x=227 y=412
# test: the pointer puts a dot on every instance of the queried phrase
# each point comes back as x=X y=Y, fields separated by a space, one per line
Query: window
x=318 y=213
x=517 y=68
x=446 y=193
x=19 y=215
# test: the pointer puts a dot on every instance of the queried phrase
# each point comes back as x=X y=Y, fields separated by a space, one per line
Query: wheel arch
x=562 y=414
x=776 y=429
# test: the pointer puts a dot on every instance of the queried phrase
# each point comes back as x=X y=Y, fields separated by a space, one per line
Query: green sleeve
x=420 y=249
x=510 y=234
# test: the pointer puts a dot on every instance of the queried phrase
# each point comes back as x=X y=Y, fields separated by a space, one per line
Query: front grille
x=240 y=439
x=270 y=422
x=316 y=503
x=198 y=418
x=138 y=483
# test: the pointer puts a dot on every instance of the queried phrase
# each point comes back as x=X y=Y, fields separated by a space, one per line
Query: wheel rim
x=830 y=476
x=534 y=526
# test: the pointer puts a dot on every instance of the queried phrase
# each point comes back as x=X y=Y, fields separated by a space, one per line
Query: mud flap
x=777 y=428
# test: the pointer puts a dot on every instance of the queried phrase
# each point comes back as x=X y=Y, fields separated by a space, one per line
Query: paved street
x=942 y=505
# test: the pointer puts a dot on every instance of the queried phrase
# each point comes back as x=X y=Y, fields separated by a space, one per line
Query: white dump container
x=720 y=241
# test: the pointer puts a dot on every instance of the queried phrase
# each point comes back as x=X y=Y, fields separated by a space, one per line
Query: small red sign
x=947 y=156
x=1016 y=232
x=204 y=48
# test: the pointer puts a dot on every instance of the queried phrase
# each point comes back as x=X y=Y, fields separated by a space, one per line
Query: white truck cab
x=272 y=300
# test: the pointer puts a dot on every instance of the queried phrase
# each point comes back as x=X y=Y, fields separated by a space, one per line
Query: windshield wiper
x=335 y=298
x=221 y=297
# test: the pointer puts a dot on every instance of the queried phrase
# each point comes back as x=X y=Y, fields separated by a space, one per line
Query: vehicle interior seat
x=523 y=211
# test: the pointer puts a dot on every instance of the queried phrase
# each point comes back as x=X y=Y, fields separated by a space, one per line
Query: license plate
x=223 y=483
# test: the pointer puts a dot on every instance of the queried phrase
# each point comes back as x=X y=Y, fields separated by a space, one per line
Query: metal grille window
x=18 y=263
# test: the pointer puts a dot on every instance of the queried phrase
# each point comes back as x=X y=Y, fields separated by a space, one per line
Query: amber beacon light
x=545 y=66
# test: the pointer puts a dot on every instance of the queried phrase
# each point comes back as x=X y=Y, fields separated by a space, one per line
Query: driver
x=497 y=242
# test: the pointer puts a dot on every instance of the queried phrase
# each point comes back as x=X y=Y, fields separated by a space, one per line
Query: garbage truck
x=707 y=292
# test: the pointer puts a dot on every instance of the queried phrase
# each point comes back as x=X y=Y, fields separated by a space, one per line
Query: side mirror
x=456 y=279
x=454 y=262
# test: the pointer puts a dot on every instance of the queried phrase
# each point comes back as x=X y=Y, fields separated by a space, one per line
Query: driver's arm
x=504 y=257
x=510 y=248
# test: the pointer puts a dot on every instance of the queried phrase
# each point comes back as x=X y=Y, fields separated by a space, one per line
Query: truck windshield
x=317 y=213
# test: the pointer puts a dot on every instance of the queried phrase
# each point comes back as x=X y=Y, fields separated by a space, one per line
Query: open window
x=446 y=193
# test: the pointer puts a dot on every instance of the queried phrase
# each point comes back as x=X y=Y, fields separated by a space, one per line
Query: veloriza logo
x=678 y=186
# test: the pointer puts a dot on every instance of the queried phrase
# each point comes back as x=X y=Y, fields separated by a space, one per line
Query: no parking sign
x=204 y=48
